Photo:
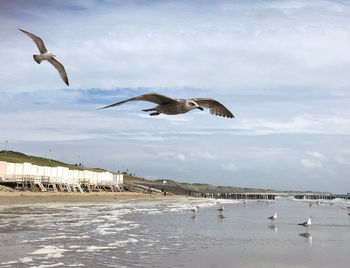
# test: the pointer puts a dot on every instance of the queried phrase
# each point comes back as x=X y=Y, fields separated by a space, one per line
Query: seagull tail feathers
x=36 y=58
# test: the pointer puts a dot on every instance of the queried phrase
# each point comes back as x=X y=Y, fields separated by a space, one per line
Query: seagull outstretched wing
x=215 y=107
x=60 y=68
x=37 y=40
x=150 y=97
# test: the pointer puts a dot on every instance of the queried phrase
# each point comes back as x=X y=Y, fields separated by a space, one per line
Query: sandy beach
x=7 y=198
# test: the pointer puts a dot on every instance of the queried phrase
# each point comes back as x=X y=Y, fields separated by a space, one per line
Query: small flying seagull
x=172 y=106
x=273 y=218
x=306 y=223
x=46 y=55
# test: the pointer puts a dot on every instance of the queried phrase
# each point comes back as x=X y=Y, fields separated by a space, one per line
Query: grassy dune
x=17 y=157
x=172 y=186
x=181 y=188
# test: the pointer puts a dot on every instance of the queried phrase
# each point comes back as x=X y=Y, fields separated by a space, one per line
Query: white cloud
x=229 y=166
x=181 y=157
x=311 y=163
x=342 y=160
x=303 y=124
x=175 y=44
x=203 y=155
x=207 y=155
x=317 y=155
x=315 y=161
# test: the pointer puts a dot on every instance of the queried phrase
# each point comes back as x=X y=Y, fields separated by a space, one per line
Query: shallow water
x=165 y=233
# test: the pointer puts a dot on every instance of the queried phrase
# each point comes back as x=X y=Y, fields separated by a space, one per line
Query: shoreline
x=10 y=198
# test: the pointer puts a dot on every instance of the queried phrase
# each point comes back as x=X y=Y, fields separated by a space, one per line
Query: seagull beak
x=200 y=108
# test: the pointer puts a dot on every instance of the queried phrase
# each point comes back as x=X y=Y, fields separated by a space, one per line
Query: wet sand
x=7 y=198
x=141 y=231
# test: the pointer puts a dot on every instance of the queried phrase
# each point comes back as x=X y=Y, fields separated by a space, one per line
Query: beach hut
x=47 y=172
x=115 y=179
x=40 y=174
x=100 y=178
x=53 y=175
x=75 y=176
x=81 y=175
x=60 y=173
x=27 y=169
x=3 y=165
x=18 y=170
x=10 y=170
x=88 y=175
x=40 y=171
x=65 y=175
x=71 y=177
x=94 y=179
x=109 y=178
x=33 y=172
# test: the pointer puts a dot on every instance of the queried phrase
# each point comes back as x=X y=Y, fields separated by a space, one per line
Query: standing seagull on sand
x=172 y=106
x=306 y=223
x=273 y=218
x=46 y=55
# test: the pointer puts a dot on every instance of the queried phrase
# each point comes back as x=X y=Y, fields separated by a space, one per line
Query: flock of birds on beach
x=165 y=105
x=272 y=219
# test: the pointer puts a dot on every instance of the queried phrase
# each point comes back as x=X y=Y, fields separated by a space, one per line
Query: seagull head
x=193 y=105
x=52 y=54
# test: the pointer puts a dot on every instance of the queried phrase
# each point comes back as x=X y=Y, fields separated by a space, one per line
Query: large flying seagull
x=172 y=106
x=46 y=55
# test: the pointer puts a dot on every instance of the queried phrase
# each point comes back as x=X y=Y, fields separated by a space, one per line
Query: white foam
x=9 y=262
x=25 y=260
x=123 y=242
x=134 y=235
x=50 y=251
x=49 y=265
x=96 y=248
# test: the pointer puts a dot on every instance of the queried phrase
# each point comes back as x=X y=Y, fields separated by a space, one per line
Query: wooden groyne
x=322 y=196
x=268 y=196
x=248 y=196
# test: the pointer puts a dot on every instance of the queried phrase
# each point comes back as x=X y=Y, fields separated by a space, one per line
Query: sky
x=281 y=67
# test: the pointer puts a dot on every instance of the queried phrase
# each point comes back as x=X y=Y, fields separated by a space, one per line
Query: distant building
x=164 y=181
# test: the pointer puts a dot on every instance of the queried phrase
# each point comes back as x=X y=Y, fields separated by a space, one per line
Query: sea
x=167 y=233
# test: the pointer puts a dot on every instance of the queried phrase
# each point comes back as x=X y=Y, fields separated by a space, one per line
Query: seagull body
x=47 y=55
x=273 y=218
x=173 y=106
x=195 y=209
x=306 y=223
x=221 y=209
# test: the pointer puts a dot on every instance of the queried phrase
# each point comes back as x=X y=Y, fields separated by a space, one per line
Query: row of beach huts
x=44 y=178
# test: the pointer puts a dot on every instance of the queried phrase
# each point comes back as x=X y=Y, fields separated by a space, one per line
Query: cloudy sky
x=281 y=67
